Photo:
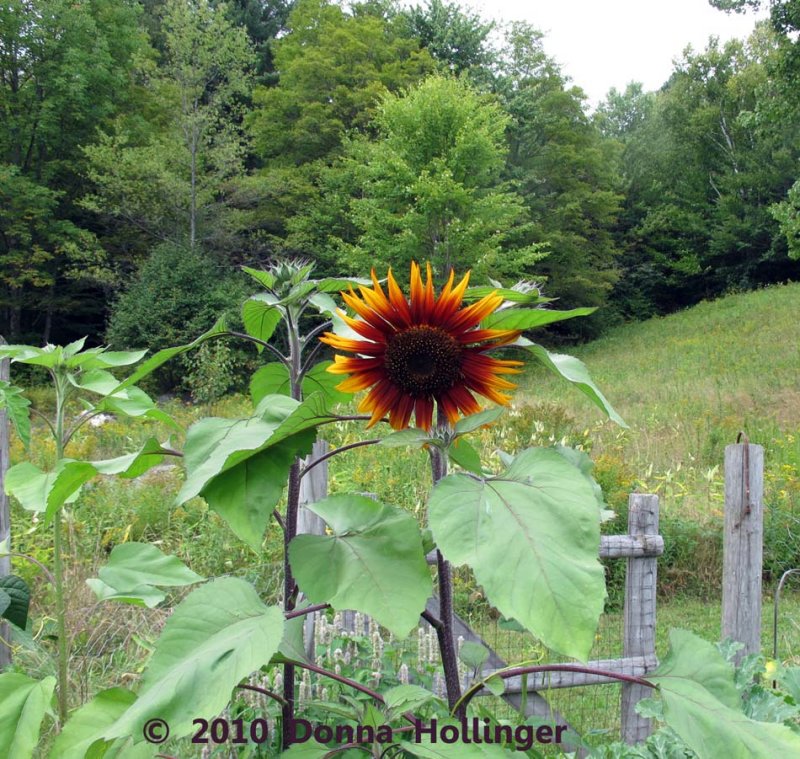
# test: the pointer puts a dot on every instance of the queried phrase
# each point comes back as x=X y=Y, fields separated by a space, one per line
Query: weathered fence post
x=313 y=488
x=640 y=612
x=5 y=514
x=742 y=547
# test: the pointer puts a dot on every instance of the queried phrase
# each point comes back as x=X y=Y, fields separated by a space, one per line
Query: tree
x=428 y=188
x=334 y=66
x=567 y=174
x=171 y=181
x=65 y=69
x=453 y=36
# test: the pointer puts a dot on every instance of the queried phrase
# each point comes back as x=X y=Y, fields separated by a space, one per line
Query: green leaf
x=463 y=454
x=23 y=703
x=16 y=405
x=323 y=303
x=585 y=465
x=47 y=491
x=538 y=520
x=407 y=697
x=702 y=705
x=49 y=357
x=496 y=685
x=308 y=750
x=141 y=595
x=133 y=464
x=528 y=297
x=270 y=379
x=473 y=421
x=529 y=318
x=292 y=647
x=86 y=725
x=218 y=635
x=133 y=402
x=160 y=358
x=18 y=594
x=473 y=654
x=372 y=562
x=264 y=278
x=319 y=380
x=134 y=564
x=338 y=284
x=103 y=359
x=575 y=371
x=5 y=602
x=261 y=316
x=215 y=445
x=246 y=495
x=273 y=379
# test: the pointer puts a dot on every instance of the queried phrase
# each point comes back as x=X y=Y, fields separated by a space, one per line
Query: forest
x=150 y=148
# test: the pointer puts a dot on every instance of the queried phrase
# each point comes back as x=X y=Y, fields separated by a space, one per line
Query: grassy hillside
x=687 y=384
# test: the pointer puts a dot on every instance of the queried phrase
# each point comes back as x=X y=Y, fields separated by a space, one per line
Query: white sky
x=608 y=43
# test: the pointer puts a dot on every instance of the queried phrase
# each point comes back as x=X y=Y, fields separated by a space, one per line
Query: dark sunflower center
x=423 y=360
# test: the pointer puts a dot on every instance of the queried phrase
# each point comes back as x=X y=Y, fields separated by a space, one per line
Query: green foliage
x=334 y=67
x=454 y=36
x=372 y=561
x=219 y=634
x=212 y=371
x=429 y=188
x=540 y=518
x=82 y=735
x=15 y=599
x=24 y=703
x=132 y=571
x=197 y=296
x=698 y=693
x=197 y=93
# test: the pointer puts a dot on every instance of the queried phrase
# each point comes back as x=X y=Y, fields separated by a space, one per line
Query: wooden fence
x=640 y=547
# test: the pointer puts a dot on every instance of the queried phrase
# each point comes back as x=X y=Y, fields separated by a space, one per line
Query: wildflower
x=422 y=350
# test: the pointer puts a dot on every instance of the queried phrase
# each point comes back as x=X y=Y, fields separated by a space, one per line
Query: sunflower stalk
x=290 y=526
x=444 y=631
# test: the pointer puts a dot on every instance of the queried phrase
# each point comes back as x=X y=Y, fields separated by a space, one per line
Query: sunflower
x=422 y=350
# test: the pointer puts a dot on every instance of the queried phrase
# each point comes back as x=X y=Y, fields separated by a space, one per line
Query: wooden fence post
x=313 y=488
x=742 y=548
x=640 y=613
x=5 y=513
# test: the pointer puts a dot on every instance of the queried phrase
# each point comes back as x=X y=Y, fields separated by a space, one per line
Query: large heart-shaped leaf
x=574 y=370
x=215 y=445
x=372 y=561
x=246 y=495
x=23 y=702
x=702 y=705
x=529 y=318
x=18 y=597
x=133 y=564
x=274 y=379
x=531 y=536
x=86 y=725
x=261 y=316
x=48 y=491
x=218 y=635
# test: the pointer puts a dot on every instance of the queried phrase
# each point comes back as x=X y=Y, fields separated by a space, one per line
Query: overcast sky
x=608 y=43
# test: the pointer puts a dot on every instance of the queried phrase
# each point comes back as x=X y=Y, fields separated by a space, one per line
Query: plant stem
x=58 y=569
x=444 y=631
x=289 y=531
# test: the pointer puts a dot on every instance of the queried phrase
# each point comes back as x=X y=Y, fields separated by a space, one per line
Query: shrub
x=177 y=294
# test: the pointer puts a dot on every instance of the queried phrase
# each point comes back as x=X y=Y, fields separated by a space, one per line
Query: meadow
x=686 y=384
